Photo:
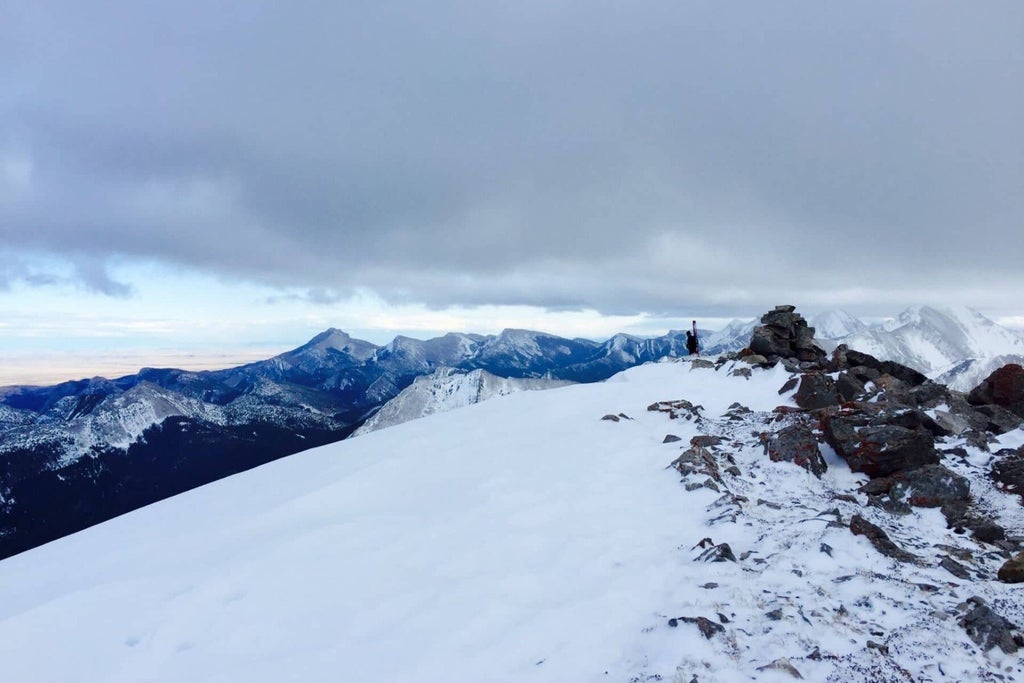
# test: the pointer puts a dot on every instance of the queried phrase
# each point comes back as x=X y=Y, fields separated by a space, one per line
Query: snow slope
x=521 y=539
x=447 y=389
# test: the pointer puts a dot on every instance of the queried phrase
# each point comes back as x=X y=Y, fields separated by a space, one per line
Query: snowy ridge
x=448 y=389
x=524 y=539
x=954 y=345
x=835 y=324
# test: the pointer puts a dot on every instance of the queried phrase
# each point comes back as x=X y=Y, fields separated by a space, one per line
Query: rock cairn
x=784 y=334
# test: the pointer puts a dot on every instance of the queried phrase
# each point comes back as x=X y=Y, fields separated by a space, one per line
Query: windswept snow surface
x=447 y=389
x=521 y=539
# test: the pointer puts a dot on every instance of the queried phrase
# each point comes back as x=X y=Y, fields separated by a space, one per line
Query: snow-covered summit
x=521 y=539
x=835 y=324
x=333 y=339
x=448 y=389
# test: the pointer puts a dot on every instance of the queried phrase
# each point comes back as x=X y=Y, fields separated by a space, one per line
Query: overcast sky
x=335 y=161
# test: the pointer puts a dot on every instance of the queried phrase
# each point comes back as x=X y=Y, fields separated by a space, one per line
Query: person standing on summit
x=691 y=341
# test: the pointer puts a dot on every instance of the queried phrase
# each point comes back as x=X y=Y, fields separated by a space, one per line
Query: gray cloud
x=665 y=156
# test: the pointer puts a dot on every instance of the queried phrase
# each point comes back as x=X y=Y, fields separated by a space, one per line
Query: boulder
x=849 y=387
x=878 y=450
x=797 y=444
x=1008 y=471
x=998 y=419
x=816 y=391
x=697 y=461
x=988 y=629
x=1012 y=570
x=879 y=539
x=1004 y=388
x=883 y=367
x=931 y=486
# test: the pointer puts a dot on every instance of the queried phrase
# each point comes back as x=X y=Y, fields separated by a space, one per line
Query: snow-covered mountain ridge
x=955 y=345
x=101 y=447
x=527 y=539
x=448 y=389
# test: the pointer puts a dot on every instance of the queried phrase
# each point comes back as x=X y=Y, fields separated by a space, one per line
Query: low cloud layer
x=661 y=157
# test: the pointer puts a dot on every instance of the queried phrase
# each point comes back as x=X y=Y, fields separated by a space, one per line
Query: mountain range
x=80 y=452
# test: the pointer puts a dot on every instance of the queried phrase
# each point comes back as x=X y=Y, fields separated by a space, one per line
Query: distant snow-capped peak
x=835 y=324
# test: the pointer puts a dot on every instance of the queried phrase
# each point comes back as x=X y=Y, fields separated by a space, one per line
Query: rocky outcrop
x=1008 y=471
x=931 y=486
x=783 y=333
x=883 y=544
x=797 y=444
x=988 y=629
x=816 y=391
x=1003 y=388
x=878 y=449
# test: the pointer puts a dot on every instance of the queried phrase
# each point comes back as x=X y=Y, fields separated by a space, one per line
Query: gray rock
x=880 y=540
x=798 y=445
x=1008 y=471
x=998 y=420
x=901 y=372
x=707 y=627
x=930 y=486
x=878 y=450
x=718 y=553
x=954 y=568
x=988 y=629
x=816 y=391
x=705 y=441
x=849 y=387
x=754 y=359
x=697 y=461
x=671 y=438
x=1004 y=388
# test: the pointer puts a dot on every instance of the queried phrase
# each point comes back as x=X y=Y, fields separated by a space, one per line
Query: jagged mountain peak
x=835 y=324
x=334 y=340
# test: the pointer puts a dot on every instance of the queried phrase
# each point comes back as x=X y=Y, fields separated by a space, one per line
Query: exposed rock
x=988 y=629
x=677 y=409
x=816 y=391
x=705 y=441
x=930 y=486
x=790 y=385
x=1004 y=387
x=754 y=359
x=707 y=627
x=1012 y=570
x=785 y=334
x=849 y=387
x=781 y=664
x=954 y=568
x=1008 y=471
x=700 y=363
x=998 y=420
x=698 y=461
x=718 y=553
x=846 y=358
x=774 y=615
x=917 y=419
x=611 y=418
x=879 y=450
x=987 y=531
x=797 y=444
x=740 y=372
x=862 y=527
x=671 y=438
